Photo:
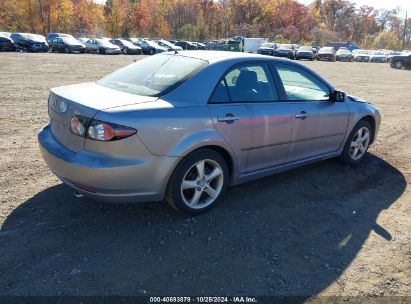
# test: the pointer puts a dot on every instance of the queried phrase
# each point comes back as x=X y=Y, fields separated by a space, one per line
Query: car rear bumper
x=305 y=56
x=326 y=57
x=107 y=179
x=288 y=55
x=362 y=59
x=344 y=58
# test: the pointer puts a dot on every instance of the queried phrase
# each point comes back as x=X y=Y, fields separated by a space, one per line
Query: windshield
x=33 y=37
x=153 y=76
x=69 y=40
x=151 y=43
x=286 y=46
x=105 y=43
x=306 y=48
x=127 y=43
x=164 y=43
x=327 y=50
x=343 y=51
x=268 y=45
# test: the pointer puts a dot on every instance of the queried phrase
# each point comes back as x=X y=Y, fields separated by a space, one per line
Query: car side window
x=246 y=83
x=301 y=85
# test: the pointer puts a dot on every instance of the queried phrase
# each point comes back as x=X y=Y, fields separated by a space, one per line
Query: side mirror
x=337 y=96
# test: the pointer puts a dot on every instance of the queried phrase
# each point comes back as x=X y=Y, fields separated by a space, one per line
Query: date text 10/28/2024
x=234 y=299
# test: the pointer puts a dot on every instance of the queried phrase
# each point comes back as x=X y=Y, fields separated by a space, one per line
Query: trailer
x=347 y=44
x=251 y=45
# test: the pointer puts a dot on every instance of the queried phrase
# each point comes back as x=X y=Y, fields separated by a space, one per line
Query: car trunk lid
x=85 y=100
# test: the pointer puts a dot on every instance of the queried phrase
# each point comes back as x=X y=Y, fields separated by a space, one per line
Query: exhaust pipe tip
x=77 y=194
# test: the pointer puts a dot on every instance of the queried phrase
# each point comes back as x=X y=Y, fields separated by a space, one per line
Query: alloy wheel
x=202 y=184
x=359 y=143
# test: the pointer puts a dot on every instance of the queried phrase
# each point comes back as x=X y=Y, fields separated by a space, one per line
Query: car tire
x=125 y=51
x=357 y=144
x=51 y=50
x=151 y=52
x=198 y=182
x=397 y=65
x=66 y=50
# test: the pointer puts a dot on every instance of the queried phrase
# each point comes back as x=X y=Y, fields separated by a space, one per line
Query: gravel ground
x=326 y=229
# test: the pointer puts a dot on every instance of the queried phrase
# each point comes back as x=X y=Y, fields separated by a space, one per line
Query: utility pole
x=405 y=30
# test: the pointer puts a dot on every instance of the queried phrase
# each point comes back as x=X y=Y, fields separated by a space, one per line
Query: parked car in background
x=327 y=54
x=6 y=44
x=200 y=46
x=150 y=47
x=305 y=52
x=343 y=54
x=196 y=123
x=267 y=48
x=170 y=46
x=134 y=41
x=316 y=49
x=66 y=45
x=127 y=48
x=83 y=39
x=401 y=61
x=378 y=56
x=286 y=50
x=50 y=36
x=101 y=46
x=30 y=42
x=186 y=45
x=361 y=56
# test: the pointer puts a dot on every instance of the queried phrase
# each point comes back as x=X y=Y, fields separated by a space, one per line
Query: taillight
x=99 y=130
x=104 y=131
x=79 y=124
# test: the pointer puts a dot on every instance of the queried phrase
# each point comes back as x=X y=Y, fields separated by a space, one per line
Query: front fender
x=360 y=109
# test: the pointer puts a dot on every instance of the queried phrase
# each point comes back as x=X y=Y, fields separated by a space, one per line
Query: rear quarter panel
x=169 y=131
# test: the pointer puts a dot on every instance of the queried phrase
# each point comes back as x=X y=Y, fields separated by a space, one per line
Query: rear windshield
x=268 y=45
x=327 y=49
x=286 y=46
x=153 y=76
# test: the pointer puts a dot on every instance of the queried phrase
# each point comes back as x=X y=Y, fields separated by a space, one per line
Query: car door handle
x=228 y=118
x=302 y=115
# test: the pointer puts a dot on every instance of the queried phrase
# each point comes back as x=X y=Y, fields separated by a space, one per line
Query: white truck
x=251 y=45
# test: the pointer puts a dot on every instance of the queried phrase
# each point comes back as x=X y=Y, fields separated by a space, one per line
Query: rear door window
x=246 y=83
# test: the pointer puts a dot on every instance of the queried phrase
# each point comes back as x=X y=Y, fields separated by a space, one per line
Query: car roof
x=214 y=56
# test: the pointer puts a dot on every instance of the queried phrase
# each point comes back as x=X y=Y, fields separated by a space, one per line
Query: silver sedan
x=184 y=126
